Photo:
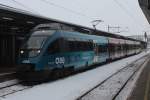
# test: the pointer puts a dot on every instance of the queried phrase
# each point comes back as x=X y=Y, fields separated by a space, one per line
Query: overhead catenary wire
x=66 y=9
x=127 y=12
x=81 y=14
x=76 y=12
x=26 y=7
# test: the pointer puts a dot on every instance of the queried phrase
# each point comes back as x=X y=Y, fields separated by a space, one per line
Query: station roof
x=24 y=21
x=145 y=6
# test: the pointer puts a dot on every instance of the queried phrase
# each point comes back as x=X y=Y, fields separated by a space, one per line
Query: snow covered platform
x=119 y=85
x=101 y=83
x=141 y=89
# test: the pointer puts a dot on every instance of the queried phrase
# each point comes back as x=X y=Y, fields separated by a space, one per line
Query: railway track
x=111 y=87
x=11 y=86
x=130 y=78
x=7 y=76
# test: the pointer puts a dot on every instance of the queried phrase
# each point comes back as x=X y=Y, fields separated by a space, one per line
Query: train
x=53 y=50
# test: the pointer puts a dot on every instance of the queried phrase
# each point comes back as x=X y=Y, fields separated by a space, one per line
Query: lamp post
x=145 y=35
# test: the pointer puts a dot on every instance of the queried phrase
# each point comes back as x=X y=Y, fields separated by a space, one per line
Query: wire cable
x=30 y=9
x=67 y=9
x=126 y=11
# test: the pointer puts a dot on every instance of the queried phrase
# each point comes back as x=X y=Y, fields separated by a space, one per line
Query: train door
x=96 y=52
x=111 y=51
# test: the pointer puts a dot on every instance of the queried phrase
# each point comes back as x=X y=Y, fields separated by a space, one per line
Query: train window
x=90 y=46
x=124 y=47
x=119 y=47
x=72 y=46
x=59 y=46
x=102 y=48
x=54 y=47
x=80 y=46
x=112 y=47
x=63 y=45
x=77 y=46
x=130 y=47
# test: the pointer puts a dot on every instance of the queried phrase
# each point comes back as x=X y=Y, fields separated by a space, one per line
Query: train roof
x=26 y=20
x=83 y=36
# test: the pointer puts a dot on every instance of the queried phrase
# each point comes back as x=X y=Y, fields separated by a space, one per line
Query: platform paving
x=142 y=87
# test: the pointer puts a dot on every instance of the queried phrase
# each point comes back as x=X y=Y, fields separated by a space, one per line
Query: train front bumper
x=27 y=72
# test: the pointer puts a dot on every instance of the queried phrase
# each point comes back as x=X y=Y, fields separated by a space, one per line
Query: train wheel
x=57 y=73
x=68 y=71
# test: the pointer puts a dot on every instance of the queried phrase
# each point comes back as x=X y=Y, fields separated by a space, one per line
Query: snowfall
x=72 y=87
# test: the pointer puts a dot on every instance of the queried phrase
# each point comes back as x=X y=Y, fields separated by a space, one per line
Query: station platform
x=142 y=86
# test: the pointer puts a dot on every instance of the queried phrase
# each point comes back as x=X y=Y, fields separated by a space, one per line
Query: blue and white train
x=53 y=52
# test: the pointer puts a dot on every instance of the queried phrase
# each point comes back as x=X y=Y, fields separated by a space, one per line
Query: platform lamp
x=145 y=35
x=146 y=38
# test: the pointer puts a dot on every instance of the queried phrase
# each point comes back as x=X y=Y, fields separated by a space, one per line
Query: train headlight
x=38 y=51
x=21 y=51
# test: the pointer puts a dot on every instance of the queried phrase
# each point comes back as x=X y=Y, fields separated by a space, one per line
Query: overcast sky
x=123 y=13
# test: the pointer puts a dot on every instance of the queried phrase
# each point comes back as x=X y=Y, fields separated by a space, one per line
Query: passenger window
x=54 y=47
x=102 y=48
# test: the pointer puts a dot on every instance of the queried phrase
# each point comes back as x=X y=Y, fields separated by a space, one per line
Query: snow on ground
x=74 y=86
x=8 y=83
x=12 y=89
x=111 y=87
x=125 y=93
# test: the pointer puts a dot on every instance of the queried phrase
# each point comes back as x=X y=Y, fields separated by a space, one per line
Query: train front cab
x=62 y=50
x=31 y=55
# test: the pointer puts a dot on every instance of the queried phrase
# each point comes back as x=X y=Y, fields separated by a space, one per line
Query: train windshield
x=37 y=39
x=35 y=42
